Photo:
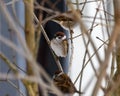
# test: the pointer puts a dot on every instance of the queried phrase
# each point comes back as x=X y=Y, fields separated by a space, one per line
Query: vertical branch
x=29 y=26
x=72 y=51
x=117 y=23
x=77 y=5
x=30 y=40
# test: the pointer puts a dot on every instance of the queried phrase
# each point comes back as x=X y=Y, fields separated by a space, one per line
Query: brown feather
x=64 y=83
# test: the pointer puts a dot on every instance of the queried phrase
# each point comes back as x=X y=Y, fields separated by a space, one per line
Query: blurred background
x=86 y=54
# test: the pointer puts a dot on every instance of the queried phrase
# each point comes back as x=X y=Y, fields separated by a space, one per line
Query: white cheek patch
x=58 y=48
x=64 y=37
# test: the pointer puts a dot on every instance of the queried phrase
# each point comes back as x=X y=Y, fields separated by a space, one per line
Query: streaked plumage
x=64 y=83
x=67 y=22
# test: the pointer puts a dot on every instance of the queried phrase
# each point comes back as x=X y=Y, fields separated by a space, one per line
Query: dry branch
x=32 y=88
x=117 y=26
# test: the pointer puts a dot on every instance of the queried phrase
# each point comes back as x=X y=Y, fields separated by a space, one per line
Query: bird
x=64 y=83
x=59 y=44
x=67 y=20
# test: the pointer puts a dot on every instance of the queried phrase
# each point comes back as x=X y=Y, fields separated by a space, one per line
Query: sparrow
x=59 y=44
x=64 y=83
x=67 y=20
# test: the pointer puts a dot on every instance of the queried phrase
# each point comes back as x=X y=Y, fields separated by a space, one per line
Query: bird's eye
x=59 y=37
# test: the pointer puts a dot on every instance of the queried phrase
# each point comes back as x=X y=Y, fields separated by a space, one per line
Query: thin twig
x=85 y=2
x=6 y=60
x=82 y=33
x=102 y=40
x=88 y=61
x=16 y=87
